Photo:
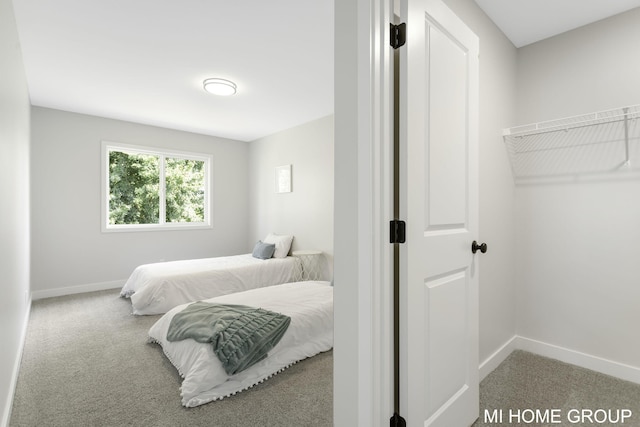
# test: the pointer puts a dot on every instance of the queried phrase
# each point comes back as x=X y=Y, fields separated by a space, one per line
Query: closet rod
x=567 y=123
x=569 y=147
x=567 y=128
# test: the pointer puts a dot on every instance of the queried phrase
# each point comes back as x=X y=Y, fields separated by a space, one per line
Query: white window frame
x=108 y=146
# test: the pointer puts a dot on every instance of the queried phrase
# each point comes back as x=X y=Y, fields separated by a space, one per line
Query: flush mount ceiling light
x=220 y=87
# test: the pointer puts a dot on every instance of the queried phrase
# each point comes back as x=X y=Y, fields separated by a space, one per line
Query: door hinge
x=398 y=35
x=397 y=231
x=398 y=421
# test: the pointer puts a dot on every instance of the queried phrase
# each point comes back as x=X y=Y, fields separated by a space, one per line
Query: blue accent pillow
x=263 y=250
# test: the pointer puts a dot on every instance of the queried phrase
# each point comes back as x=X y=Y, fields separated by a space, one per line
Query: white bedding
x=310 y=306
x=157 y=288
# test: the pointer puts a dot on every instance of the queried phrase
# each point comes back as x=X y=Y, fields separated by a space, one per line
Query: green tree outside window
x=184 y=183
x=144 y=186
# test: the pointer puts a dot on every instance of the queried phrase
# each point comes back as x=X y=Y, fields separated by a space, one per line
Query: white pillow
x=282 y=242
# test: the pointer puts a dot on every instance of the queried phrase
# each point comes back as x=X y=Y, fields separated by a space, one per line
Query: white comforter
x=157 y=288
x=310 y=306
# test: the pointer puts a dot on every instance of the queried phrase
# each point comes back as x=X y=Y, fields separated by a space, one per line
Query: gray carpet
x=525 y=382
x=87 y=363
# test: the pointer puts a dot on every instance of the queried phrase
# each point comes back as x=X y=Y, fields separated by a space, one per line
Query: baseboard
x=91 y=287
x=493 y=361
x=594 y=363
x=6 y=414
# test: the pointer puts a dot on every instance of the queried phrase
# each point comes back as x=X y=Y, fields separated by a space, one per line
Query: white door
x=439 y=201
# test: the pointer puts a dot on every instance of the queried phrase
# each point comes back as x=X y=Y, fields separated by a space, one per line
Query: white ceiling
x=145 y=60
x=528 y=21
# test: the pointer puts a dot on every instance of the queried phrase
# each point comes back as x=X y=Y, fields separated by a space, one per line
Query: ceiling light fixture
x=220 y=87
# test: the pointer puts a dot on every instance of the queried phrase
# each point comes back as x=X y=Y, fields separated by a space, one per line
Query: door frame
x=363 y=271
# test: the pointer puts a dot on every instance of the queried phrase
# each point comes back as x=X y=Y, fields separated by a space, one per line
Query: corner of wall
x=15 y=124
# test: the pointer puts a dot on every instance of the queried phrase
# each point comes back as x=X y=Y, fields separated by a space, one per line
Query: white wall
x=497 y=192
x=306 y=212
x=577 y=242
x=68 y=248
x=14 y=214
x=589 y=69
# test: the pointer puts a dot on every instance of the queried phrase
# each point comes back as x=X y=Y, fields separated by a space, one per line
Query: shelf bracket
x=626 y=135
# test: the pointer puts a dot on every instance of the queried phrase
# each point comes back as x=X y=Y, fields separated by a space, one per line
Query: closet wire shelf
x=603 y=142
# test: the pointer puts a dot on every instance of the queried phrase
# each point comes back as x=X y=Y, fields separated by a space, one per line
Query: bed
x=156 y=288
x=310 y=331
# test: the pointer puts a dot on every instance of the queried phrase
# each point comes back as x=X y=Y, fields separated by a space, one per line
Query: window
x=153 y=189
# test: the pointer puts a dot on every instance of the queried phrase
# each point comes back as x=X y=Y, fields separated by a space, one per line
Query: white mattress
x=157 y=288
x=310 y=306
